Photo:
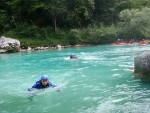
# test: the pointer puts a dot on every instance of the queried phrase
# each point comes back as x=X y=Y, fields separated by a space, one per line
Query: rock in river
x=142 y=66
x=9 y=45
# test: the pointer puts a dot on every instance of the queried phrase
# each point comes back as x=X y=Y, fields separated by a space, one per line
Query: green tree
x=135 y=23
x=3 y=20
x=104 y=11
x=79 y=12
x=54 y=8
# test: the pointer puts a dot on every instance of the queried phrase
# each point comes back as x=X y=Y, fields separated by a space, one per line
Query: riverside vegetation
x=50 y=22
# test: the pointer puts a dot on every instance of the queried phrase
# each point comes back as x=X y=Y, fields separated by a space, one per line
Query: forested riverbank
x=50 y=22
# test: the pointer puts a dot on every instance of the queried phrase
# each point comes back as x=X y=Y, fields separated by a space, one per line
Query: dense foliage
x=51 y=22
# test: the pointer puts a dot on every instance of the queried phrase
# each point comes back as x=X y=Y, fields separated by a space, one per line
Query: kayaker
x=42 y=83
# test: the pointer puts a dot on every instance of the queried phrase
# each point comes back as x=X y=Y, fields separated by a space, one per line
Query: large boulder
x=142 y=66
x=9 y=45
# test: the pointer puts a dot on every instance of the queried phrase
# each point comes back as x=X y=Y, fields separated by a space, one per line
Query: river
x=100 y=81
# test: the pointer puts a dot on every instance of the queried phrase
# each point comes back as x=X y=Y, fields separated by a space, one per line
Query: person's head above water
x=44 y=77
x=73 y=56
x=44 y=80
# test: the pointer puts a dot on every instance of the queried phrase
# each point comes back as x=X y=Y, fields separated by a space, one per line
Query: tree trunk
x=54 y=25
x=14 y=21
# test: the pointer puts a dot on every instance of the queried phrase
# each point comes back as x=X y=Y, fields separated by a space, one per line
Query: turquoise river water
x=100 y=81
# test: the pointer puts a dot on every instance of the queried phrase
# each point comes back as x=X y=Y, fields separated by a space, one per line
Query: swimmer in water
x=42 y=83
x=73 y=57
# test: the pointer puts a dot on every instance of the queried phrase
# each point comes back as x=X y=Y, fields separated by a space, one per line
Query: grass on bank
x=33 y=36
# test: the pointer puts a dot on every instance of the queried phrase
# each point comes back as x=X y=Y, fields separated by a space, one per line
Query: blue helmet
x=71 y=56
x=44 y=77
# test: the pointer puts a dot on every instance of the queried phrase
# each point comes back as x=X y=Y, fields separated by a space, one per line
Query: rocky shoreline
x=10 y=45
x=58 y=47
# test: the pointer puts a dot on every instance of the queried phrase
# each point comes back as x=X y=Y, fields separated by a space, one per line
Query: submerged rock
x=9 y=45
x=142 y=66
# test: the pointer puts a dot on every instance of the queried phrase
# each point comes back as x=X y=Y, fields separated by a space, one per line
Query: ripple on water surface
x=100 y=81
